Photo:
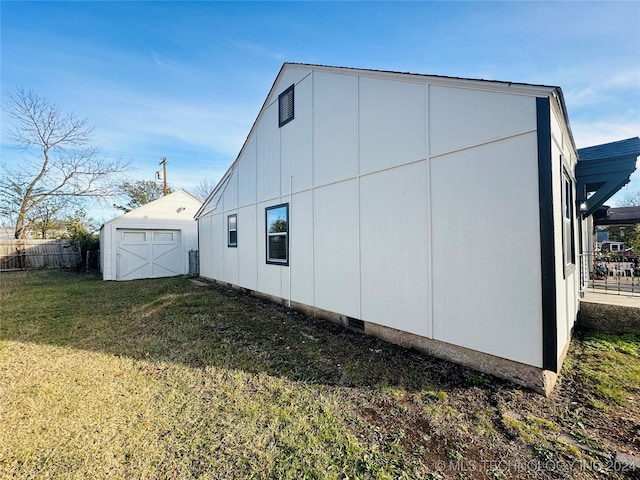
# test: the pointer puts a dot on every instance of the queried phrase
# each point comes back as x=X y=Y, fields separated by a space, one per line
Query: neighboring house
x=610 y=246
x=374 y=199
x=620 y=216
x=151 y=241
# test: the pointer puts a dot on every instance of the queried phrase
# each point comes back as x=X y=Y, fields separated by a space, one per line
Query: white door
x=148 y=254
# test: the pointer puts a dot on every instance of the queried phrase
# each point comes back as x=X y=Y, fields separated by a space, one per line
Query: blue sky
x=186 y=80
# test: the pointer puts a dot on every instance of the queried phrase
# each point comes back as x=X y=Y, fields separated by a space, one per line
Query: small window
x=232 y=231
x=568 y=238
x=163 y=236
x=285 y=101
x=277 y=223
x=134 y=237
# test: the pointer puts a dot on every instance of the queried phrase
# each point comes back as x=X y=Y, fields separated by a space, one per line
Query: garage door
x=148 y=254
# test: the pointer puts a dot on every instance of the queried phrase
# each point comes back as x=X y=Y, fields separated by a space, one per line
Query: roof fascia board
x=220 y=187
x=469 y=83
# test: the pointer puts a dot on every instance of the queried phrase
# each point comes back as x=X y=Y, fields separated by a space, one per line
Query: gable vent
x=285 y=100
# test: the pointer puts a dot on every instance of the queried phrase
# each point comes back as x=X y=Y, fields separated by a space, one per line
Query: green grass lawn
x=166 y=379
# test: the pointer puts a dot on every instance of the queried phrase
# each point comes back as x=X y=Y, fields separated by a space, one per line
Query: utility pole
x=163 y=162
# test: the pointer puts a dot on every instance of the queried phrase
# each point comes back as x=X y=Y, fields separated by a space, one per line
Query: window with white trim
x=232 y=230
x=277 y=233
x=285 y=105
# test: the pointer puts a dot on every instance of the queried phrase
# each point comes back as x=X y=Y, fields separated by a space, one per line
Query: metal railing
x=610 y=272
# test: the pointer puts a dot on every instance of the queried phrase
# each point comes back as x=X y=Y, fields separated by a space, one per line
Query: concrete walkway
x=611 y=297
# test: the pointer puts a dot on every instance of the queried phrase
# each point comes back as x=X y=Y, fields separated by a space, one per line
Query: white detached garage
x=151 y=241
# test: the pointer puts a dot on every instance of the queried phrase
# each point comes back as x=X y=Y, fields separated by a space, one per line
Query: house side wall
x=412 y=206
x=564 y=159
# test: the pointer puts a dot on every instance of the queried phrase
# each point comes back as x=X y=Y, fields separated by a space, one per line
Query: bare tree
x=630 y=199
x=59 y=161
x=139 y=193
x=204 y=188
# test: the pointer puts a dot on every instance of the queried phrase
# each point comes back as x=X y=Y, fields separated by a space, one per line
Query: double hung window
x=232 y=231
x=277 y=226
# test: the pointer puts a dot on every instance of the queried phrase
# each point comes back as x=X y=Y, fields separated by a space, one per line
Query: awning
x=602 y=170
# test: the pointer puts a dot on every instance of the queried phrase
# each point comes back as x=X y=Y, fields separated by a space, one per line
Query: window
x=277 y=220
x=568 y=238
x=285 y=102
x=232 y=231
x=163 y=236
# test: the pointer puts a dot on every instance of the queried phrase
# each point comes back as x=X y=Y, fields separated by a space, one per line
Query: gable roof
x=462 y=82
x=181 y=196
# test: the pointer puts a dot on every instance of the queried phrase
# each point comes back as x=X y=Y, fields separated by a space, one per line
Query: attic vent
x=285 y=100
x=355 y=324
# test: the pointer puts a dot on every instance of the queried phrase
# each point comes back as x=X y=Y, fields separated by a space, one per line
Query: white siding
x=301 y=247
x=230 y=197
x=247 y=177
x=392 y=123
x=219 y=244
x=394 y=247
x=268 y=149
x=296 y=142
x=567 y=280
x=335 y=120
x=289 y=77
x=463 y=118
x=486 y=249
x=414 y=206
x=336 y=248
x=207 y=244
x=247 y=244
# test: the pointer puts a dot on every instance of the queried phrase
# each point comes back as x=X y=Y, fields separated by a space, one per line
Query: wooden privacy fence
x=27 y=254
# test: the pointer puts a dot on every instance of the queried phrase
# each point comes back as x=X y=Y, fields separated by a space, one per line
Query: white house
x=151 y=241
x=375 y=199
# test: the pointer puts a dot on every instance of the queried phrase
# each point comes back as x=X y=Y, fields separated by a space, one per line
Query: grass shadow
x=174 y=320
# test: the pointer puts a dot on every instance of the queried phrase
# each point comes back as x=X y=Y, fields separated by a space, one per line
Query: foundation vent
x=355 y=324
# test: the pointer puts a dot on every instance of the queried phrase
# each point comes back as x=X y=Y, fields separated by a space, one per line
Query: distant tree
x=633 y=239
x=49 y=216
x=81 y=230
x=139 y=193
x=204 y=189
x=59 y=162
x=630 y=199
x=280 y=225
